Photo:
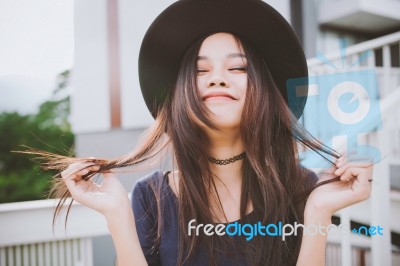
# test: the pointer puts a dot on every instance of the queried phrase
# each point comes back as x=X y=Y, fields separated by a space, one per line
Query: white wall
x=90 y=100
x=135 y=18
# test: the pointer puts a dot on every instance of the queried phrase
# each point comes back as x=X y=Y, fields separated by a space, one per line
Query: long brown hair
x=272 y=177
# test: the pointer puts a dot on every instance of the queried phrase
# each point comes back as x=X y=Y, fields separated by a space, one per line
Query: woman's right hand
x=106 y=198
x=111 y=199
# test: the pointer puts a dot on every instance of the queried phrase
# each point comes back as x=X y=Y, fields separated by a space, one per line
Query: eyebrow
x=232 y=55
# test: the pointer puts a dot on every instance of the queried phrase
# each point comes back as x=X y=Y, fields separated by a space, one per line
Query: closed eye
x=238 y=69
x=201 y=71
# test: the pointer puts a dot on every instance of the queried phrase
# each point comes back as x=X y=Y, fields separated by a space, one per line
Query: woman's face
x=222 y=79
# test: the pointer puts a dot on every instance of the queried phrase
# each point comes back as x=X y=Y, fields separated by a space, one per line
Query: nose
x=217 y=81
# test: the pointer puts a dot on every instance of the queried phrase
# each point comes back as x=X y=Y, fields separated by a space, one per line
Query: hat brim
x=185 y=21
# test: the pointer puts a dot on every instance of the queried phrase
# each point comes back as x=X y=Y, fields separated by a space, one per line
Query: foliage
x=20 y=178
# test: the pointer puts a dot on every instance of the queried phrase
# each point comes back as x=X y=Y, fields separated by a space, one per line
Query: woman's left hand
x=354 y=186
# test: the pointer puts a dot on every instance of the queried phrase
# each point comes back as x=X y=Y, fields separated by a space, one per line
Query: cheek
x=241 y=84
x=201 y=85
x=201 y=81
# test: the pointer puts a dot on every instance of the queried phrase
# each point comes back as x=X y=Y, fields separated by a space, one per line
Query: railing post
x=380 y=197
x=87 y=249
x=345 y=239
x=2 y=256
x=339 y=143
x=380 y=205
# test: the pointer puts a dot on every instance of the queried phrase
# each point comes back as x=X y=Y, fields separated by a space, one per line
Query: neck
x=223 y=146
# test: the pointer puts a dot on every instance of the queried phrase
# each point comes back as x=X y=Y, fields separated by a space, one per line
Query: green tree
x=22 y=179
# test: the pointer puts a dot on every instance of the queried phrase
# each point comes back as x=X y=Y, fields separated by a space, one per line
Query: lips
x=217 y=95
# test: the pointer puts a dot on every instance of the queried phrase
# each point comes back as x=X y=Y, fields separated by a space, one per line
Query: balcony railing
x=27 y=237
x=382 y=55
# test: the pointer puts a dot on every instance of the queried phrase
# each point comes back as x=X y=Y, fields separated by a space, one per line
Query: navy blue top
x=144 y=206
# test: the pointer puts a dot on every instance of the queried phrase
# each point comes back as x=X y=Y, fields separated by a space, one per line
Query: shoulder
x=145 y=188
x=153 y=179
x=310 y=176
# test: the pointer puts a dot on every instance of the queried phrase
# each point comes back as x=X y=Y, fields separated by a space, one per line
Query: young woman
x=213 y=74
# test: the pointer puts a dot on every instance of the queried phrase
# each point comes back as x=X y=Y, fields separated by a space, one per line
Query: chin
x=226 y=122
x=224 y=115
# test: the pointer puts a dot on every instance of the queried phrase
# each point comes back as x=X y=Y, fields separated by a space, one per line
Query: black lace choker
x=227 y=161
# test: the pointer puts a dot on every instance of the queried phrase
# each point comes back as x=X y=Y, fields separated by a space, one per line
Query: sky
x=36 y=44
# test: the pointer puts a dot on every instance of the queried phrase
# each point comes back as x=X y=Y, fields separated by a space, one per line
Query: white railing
x=73 y=252
x=27 y=237
x=360 y=253
x=356 y=50
x=387 y=139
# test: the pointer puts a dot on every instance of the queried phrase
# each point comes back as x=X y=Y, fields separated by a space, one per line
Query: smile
x=218 y=98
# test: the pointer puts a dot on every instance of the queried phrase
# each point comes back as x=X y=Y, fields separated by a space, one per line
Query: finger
x=343 y=168
x=71 y=185
x=341 y=161
x=87 y=170
x=86 y=173
x=361 y=187
x=78 y=188
x=74 y=169
x=327 y=174
x=361 y=174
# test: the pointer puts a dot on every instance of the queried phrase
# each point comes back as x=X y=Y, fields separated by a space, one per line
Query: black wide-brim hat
x=186 y=21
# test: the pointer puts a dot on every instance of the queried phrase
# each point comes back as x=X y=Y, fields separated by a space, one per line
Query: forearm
x=121 y=224
x=312 y=251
